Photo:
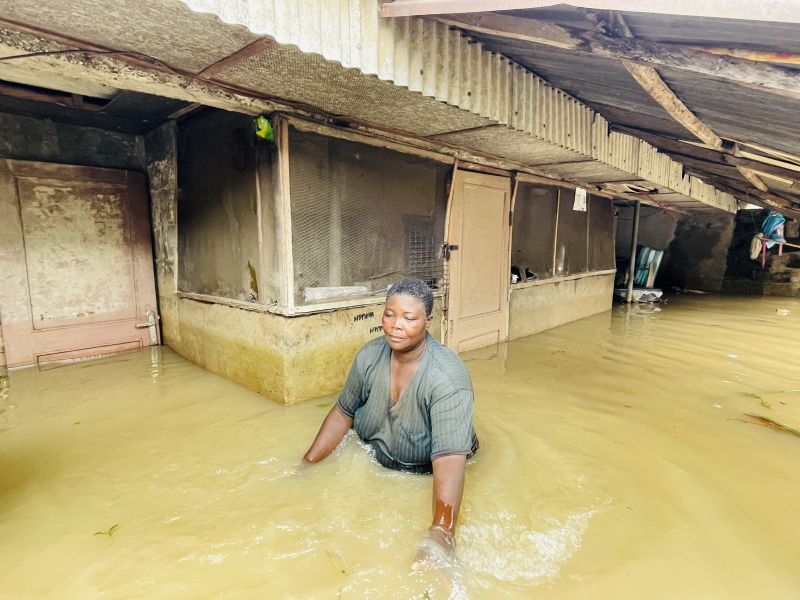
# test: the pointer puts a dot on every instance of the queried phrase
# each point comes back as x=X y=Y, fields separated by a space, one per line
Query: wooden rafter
x=237 y=57
x=753 y=178
x=651 y=82
x=513 y=28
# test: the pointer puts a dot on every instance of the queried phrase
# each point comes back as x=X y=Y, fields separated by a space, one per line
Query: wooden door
x=76 y=268
x=477 y=308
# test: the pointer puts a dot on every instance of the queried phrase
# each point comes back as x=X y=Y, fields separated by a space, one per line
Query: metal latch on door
x=447 y=249
x=151 y=325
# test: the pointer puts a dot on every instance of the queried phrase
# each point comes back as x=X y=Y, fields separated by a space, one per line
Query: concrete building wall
x=656 y=229
x=543 y=305
x=697 y=256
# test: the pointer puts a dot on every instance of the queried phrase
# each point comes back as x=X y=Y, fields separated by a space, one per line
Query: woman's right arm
x=339 y=421
x=333 y=428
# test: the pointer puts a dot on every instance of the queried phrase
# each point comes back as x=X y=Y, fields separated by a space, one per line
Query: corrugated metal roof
x=410 y=74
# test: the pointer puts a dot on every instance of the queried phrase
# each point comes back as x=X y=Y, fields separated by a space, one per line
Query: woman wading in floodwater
x=410 y=398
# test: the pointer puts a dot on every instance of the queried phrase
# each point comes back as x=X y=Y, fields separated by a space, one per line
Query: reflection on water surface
x=615 y=463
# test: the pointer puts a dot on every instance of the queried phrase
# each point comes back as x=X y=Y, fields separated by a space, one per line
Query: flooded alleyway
x=616 y=462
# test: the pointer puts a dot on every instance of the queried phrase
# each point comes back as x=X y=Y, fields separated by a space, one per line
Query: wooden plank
x=751 y=176
x=651 y=82
x=752 y=195
x=365 y=138
x=793 y=158
x=237 y=57
x=527 y=30
x=286 y=251
x=765 y=160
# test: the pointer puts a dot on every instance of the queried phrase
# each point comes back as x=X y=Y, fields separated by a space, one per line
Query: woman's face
x=404 y=322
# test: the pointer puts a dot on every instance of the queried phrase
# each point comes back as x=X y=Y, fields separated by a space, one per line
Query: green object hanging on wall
x=263 y=128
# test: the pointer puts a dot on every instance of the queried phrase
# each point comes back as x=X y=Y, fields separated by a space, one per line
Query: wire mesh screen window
x=601 y=234
x=571 y=239
x=362 y=217
x=534 y=229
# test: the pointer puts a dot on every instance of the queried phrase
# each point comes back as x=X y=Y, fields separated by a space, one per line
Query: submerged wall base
x=286 y=359
x=549 y=304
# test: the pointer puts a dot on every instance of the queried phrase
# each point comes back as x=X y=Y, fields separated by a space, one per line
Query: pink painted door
x=76 y=268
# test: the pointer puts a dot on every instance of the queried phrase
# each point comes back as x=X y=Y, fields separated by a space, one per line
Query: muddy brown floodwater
x=615 y=463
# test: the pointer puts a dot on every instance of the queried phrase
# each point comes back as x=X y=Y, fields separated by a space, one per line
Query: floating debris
x=763 y=402
x=772 y=424
x=337 y=561
x=109 y=532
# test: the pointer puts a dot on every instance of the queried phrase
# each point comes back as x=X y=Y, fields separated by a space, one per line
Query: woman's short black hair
x=416 y=288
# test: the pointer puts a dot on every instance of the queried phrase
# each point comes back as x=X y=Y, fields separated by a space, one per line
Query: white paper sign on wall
x=580 y=199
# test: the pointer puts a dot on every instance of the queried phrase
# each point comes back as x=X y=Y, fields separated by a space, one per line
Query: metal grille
x=422 y=250
x=362 y=217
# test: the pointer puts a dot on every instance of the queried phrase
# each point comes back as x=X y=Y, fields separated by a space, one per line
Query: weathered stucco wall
x=286 y=359
x=697 y=256
x=218 y=227
x=549 y=304
x=656 y=229
x=30 y=138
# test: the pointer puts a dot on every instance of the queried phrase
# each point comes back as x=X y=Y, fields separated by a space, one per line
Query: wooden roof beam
x=514 y=28
x=649 y=79
x=651 y=82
